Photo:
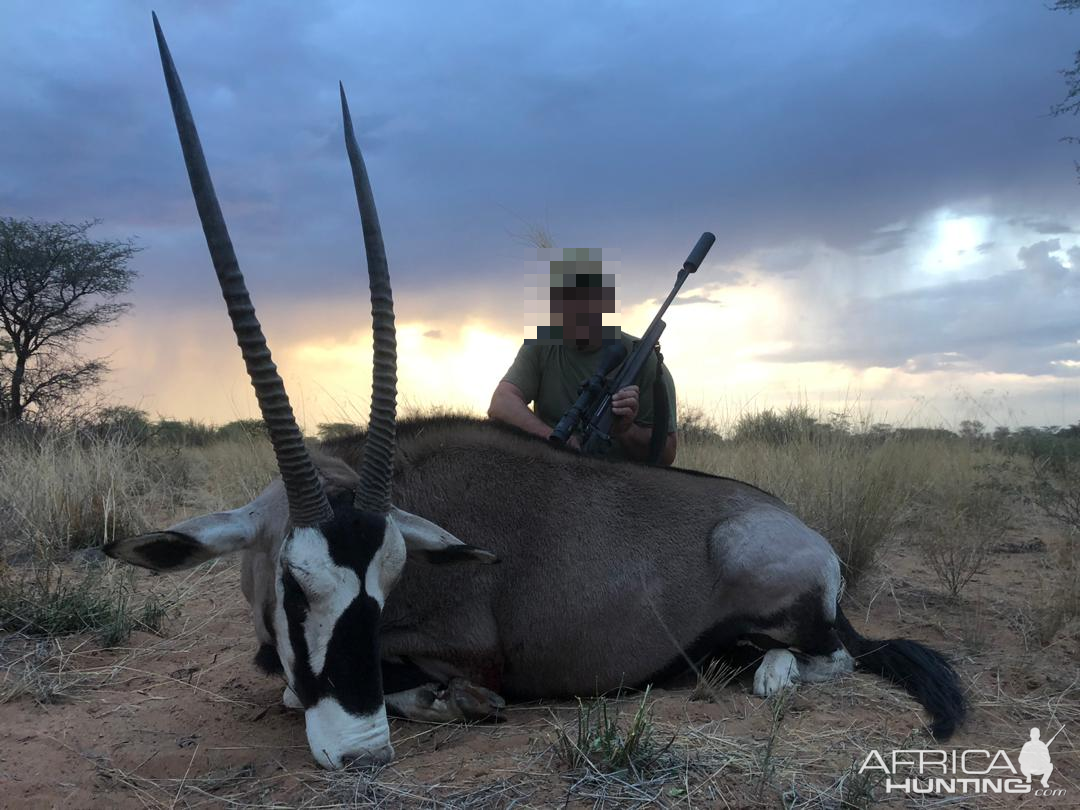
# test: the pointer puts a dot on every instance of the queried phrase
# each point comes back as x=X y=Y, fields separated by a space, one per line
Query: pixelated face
x=332 y=582
x=580 y=309
x=579 y=294
x=571 y=302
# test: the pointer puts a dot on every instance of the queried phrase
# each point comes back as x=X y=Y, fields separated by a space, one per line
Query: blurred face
x=579 y=311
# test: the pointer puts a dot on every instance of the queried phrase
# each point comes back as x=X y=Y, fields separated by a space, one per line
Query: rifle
x=591 y=412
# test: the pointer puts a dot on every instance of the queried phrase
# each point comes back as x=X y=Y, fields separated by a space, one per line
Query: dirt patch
x=187 y=721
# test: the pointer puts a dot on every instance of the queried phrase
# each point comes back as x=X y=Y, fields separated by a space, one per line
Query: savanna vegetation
x=965 y=539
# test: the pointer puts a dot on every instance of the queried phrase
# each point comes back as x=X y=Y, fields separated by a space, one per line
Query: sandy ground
x=185 y=720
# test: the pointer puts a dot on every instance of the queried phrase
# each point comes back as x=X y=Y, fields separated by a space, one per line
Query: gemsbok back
x=610 y=574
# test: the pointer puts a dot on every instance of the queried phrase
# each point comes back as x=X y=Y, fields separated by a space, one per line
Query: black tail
x=923 y=672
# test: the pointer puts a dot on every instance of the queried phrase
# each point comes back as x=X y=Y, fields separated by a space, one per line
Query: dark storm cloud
x=1043 y=226
x=885 y=241
x=1021 y=321
x=632 y=125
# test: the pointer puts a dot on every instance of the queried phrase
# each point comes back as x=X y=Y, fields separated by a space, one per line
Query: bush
x=789 y=426
x=238 y=429
x=697 y=427
x=121 y=422
x=964 y=515
x=329 y=431
x=172 y=432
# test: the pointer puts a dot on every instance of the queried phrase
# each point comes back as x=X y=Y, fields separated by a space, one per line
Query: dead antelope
x=611 y=574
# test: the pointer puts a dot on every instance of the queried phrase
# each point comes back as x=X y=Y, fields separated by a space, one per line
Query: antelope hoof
x=472 y=701
x=778 y=671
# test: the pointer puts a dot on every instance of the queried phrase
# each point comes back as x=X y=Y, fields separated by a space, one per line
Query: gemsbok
x=609 y=574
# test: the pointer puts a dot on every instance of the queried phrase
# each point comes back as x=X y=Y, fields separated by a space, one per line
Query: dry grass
x=599 y=743
x=962 y=514
x=62 y=492
x=858 y=487
x=866 y=493
x=71 y=490
x=711 y=681
x=852 y=492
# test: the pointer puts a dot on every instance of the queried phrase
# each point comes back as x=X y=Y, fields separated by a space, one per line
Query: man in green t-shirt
x=549 y=370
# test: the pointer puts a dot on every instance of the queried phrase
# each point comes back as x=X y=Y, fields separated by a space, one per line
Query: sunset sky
x=897 y=220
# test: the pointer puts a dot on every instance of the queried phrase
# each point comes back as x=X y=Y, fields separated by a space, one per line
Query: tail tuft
x=924 y=673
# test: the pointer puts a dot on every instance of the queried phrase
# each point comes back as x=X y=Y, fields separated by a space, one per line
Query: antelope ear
x=427 y=541
x=189 y=543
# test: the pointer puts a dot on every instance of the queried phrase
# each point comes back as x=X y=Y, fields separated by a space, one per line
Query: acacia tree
x=1070 y=105
x=56 y=286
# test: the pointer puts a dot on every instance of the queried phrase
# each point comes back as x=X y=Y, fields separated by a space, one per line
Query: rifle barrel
x=697 y=255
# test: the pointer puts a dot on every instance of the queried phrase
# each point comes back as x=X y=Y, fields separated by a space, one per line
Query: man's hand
x=624 y=407
x=508 y=405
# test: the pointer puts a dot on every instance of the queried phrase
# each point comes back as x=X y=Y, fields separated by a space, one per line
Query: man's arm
x=635 y=438
x=508 y=404
x=635 y=441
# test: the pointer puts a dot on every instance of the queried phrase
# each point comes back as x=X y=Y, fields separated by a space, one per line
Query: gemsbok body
x=609 y=574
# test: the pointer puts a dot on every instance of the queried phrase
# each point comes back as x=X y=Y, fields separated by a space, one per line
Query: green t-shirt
x=550 y=376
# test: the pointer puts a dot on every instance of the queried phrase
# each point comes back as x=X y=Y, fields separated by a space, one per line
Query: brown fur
x=609 y=570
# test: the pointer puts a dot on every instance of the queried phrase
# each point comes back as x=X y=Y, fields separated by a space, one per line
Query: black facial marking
x=351 y=671
x=267 y=658
x=295 y=604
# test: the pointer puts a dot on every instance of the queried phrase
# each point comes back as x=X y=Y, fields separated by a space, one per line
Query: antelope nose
x=377 y=756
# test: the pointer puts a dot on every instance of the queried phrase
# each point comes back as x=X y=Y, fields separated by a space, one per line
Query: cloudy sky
x=897 y=220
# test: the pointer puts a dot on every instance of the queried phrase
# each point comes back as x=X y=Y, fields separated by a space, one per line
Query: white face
x=331 y=585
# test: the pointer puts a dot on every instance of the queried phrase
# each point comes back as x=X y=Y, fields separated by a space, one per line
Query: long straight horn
x=377 y=467
x=308 y=505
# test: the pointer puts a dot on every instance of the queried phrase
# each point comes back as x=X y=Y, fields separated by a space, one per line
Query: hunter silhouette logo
x=1035 y=757
x=971 y=771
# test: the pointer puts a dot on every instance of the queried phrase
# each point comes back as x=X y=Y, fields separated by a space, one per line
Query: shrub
x=121 y=422
x=965 y=517
x=599 y=742
x=172 y=432
x=789 y=426
x=242 y=429
x=329 y=431
x=697 y=427
x=47 y=602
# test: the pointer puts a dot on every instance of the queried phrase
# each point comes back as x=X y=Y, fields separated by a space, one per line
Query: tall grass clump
x=600 y=743
x=227 y=473
x=68 y=490
x=62 y=491
x=852 y=487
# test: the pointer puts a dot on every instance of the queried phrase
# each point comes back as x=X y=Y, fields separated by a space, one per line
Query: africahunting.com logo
x=970 y=771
